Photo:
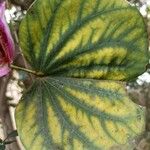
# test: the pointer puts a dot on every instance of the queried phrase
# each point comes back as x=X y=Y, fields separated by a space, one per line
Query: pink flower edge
x=7 y=40
x=2 y=9
x=7 y=34
x=4 y=70
x=6 y=43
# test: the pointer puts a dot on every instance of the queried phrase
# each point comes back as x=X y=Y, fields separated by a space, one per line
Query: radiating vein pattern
x=102 y=39
x=74 y=43
x=70 y=114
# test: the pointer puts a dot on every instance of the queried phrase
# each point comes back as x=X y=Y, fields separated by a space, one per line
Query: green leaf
x=97 y=39
x=12 y=134
x=102 y=39
x=77 y=114
x=2 y=146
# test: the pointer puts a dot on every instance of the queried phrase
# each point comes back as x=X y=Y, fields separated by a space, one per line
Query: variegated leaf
x=101 y=39
x=77 y=114
x=97 y=39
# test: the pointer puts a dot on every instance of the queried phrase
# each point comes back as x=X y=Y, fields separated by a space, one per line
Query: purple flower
x=6 y=44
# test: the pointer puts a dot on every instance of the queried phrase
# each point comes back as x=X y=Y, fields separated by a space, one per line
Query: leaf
x=12 y=134
x=2 y=147
x=70 y=114
x=96 y=39
x=102 y=39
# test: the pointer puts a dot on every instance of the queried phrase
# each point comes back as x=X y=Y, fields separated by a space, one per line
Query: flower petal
x=4 y=69
x=6 y=41
x=5 y=35
x=2 y=9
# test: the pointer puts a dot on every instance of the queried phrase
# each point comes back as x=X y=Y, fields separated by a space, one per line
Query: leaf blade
x=62 y=115
x=94 y=39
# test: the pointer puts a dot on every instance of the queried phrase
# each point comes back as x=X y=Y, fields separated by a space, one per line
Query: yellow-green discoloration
x=94 y=39
x=77 y=114
x=101 y=39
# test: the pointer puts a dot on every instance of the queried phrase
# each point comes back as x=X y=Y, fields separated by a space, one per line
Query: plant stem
x=26 y=70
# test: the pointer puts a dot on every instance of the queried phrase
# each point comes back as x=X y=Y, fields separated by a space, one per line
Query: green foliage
x=3 y=143
x=75 y=43
x=82 y=39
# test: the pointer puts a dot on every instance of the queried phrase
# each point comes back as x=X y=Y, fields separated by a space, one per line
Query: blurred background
x=14 y=84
